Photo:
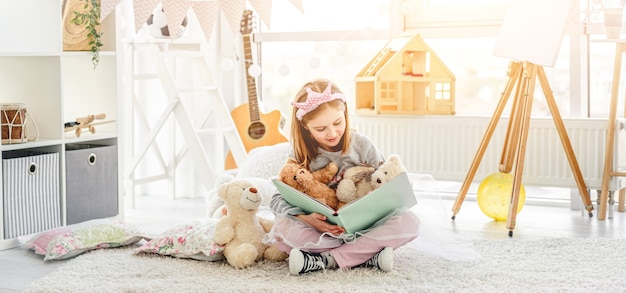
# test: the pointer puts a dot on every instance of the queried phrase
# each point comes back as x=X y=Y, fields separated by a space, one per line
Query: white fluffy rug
x=510 y=265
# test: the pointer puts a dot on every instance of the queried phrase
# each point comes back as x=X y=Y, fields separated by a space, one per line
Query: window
x=442 y=91
x=340 y=50
x=330 y=40
x=601 y=57
x=291 y=64
x=329 y=15
x=481 y=77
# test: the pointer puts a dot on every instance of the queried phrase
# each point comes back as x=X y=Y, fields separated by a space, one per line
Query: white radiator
x=445 y=146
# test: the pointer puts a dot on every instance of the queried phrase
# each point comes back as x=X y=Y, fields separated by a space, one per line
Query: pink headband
x=314 y=99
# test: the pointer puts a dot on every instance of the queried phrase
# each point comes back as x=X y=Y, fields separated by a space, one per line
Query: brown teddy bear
x=314 y=184
x=240 y=230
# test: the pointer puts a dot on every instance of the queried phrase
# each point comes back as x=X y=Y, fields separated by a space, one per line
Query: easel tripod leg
x=513 y=72
x=567 y=146
x=528 y=86
x=511 y=140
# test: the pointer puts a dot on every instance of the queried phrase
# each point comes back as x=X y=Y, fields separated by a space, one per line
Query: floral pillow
x=69 y=241
x=192 y=240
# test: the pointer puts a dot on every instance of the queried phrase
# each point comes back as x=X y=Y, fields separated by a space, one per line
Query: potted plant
x=89 y=17
x=613 y=18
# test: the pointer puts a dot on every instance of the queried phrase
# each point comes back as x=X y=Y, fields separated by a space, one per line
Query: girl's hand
x=318 y=221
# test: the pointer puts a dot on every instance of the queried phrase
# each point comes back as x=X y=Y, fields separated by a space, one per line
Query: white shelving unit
x=56 y=86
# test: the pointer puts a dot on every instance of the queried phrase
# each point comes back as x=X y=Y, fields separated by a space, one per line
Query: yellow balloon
x=494 y=196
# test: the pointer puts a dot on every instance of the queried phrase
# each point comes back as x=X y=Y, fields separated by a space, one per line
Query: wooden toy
x=406 y=77
x=86 y=122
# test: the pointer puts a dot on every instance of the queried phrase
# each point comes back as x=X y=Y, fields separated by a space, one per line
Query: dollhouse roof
x=406 y=54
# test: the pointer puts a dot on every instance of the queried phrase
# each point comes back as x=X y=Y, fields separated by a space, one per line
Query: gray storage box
x=30 y=194
x=91 y=182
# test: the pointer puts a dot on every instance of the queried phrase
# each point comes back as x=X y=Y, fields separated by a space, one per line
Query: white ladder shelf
x=217 y=120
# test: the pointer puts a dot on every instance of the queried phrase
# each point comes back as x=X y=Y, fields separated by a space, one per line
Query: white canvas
x=532 y=30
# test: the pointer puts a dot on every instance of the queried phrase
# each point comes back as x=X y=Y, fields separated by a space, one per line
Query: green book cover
x=361 y=213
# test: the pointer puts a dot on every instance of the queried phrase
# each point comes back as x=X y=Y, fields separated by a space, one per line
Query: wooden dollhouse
x=405 y=77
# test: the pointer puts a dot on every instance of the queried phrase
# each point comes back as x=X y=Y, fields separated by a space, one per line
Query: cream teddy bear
x=388 y=170
x=355 y=183
x=358 y=181
x=240 y=230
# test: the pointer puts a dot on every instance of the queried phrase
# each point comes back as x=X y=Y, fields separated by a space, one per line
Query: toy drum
x=13 y=123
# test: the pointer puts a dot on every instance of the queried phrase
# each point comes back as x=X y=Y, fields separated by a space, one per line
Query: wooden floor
x=19 y=266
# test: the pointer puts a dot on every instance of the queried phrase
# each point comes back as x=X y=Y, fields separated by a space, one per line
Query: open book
x=361 y=213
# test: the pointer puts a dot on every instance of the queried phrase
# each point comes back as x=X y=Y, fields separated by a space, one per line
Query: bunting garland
x=263 y=9
x=106 y=6
x=298 y=4
x=175 y=11
x=233 y=9
x=207 y=11
x=143 y=9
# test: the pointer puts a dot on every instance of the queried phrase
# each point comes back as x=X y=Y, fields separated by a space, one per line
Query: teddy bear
x=358 y=181
x=215 y=205
x=240 y=230
x=314 y=184
x=355 y=183
x=388 y=170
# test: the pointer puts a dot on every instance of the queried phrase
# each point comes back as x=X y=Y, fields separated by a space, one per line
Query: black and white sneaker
x=301 y=262
x=382 y=260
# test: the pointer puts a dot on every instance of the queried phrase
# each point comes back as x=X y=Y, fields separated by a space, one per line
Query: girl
x=320 y=134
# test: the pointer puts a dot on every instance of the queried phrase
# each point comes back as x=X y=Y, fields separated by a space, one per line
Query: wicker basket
x=15 y=119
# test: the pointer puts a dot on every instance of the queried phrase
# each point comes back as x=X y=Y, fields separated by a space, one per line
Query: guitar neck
x=262 y=129
x=253 y=103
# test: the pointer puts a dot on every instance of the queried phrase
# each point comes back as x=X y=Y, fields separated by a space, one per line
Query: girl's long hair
x=305 y=148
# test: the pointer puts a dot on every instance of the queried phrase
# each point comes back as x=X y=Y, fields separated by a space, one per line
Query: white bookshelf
x=56 y=86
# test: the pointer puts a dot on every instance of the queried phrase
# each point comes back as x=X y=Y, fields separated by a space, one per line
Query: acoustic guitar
x=255 y=129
